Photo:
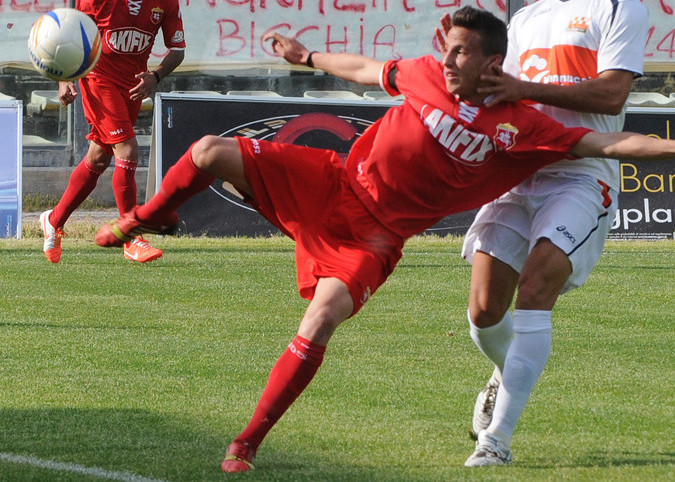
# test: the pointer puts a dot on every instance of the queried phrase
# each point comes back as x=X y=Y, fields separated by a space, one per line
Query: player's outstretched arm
x=624 y=146
x=351 y=67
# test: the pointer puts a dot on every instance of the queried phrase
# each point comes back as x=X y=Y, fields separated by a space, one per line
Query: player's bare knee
x=488 y=315
x=537 y=294
x=319 y=325
x=209 y=151
x=99 y=163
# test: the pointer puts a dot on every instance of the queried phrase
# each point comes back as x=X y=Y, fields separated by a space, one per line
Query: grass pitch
x=113 y=370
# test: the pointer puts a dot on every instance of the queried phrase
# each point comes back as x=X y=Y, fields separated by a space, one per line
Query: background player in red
x=350 y=221
x=111 y=96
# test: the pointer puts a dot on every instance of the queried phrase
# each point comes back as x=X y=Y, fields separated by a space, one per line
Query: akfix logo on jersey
x=128 y=40
x=579 y=24
x=460 y=143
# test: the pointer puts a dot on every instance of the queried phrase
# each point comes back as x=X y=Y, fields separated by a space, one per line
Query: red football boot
x=127 y=227
x=238 y=458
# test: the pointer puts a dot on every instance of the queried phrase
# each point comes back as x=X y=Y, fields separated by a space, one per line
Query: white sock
x=493 y=341
x=525 y=361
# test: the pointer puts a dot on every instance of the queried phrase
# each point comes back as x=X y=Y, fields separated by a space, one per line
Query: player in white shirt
x=579 y=57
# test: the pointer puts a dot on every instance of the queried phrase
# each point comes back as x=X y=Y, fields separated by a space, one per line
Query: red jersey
x=128 y=29
x=426 y=159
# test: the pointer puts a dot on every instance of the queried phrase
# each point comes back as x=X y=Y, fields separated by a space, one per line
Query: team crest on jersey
x=578 y=24
x=505 y=137
x=156 y=15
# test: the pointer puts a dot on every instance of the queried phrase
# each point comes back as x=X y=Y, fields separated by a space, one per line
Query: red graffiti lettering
x=453 y=3
x=330 y=42
x=228 y=31
x=349 y=7
x=649 y=37
x=390 y=42
x=33 y=6
x=667 y=44
x=666 y=8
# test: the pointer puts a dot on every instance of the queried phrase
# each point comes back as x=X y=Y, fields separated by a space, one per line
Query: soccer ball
x=64 y=44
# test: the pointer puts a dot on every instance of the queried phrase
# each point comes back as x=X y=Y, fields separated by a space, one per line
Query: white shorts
x=575 y=213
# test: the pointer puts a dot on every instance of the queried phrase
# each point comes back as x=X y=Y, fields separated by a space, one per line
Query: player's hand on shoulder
x=502 y=87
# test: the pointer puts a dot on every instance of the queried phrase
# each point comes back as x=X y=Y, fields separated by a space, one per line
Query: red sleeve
x=544 y=134
x=388 y=72
x=172 y=26
x=91 y=8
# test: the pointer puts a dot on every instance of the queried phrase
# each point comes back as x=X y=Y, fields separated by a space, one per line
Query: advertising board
x=10 y=168
x=646 y=201
x=647 y=197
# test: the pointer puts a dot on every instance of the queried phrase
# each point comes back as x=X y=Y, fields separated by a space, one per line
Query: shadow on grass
x=145 y=445
x=605 y=460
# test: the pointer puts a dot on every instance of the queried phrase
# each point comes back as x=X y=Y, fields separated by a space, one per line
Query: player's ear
x=493 y=64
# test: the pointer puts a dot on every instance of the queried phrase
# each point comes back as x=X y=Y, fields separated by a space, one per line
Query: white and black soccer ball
x=64 y=44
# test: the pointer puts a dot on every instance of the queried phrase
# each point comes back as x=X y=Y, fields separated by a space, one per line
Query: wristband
x=309 y=59
x=157 y=77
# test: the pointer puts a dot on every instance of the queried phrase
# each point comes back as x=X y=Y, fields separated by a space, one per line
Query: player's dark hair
x=492 y=30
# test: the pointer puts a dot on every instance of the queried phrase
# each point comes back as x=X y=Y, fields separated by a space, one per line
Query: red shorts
x=305 y=193
x=109 y=111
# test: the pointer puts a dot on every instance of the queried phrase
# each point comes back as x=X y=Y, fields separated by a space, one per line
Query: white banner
x=224 y=32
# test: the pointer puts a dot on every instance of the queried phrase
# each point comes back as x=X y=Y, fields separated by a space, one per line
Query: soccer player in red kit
x=441 y=151
x=111 y=96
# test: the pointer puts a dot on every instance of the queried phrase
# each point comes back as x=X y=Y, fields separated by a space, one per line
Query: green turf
x=153 y=369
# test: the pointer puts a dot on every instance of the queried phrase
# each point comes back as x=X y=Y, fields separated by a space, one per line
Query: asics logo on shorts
x=567 y=234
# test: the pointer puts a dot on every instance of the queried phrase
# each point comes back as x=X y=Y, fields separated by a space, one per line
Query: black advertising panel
x=647 y=198
x=327 y=124
x=646 y=201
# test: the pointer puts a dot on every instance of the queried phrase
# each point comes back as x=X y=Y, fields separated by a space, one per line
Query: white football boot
x=490 y=450
x=485 y=404
x=52 y=244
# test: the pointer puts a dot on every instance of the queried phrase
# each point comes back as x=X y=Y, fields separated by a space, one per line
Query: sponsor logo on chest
x=579 y=24
x=459 y=143
x=128 y=40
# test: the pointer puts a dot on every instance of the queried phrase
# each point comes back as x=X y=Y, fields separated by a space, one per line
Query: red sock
x=124 y=184
x=290 y=376
x=182 y=181
x=82 y=182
